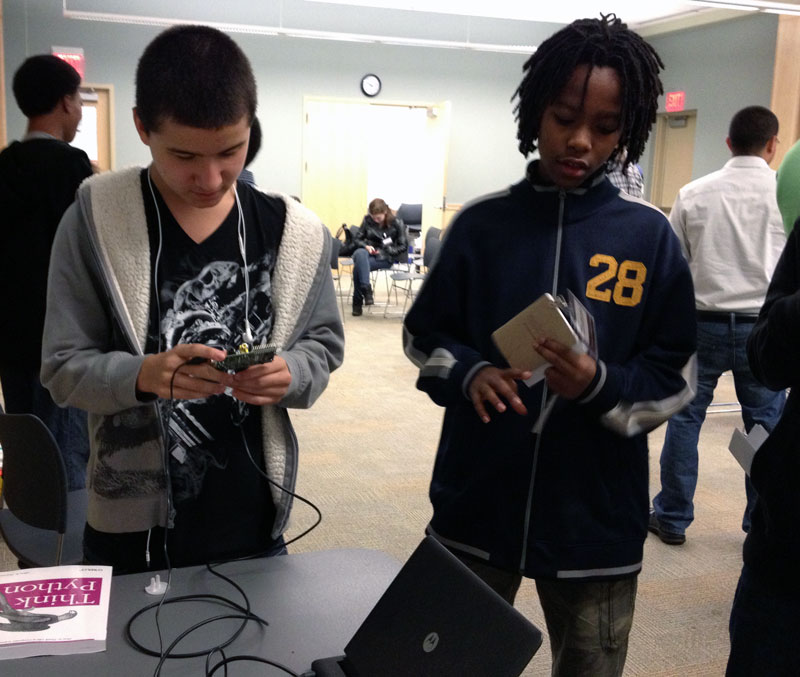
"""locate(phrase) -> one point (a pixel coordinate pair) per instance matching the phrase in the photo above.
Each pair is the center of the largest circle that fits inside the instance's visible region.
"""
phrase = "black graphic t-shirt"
(223, 507)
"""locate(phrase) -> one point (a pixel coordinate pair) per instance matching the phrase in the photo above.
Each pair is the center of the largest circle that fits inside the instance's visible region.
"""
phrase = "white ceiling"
(489, 25)
(633, 12)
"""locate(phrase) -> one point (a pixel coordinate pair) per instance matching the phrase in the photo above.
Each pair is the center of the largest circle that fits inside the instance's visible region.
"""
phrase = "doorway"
(673, 157)
(94, 135)
(354, 152)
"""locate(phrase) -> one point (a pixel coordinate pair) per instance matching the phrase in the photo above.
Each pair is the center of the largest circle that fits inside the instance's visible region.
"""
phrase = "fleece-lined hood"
(102, 259)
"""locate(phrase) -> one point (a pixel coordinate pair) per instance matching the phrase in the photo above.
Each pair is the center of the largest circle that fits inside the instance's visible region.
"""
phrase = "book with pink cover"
(54, 610)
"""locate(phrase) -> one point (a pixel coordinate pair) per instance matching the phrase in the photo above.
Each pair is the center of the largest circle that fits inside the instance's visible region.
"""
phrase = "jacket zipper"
(562, 197)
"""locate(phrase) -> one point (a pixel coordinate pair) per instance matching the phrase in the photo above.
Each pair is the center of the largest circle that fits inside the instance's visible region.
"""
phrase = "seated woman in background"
(380, 242)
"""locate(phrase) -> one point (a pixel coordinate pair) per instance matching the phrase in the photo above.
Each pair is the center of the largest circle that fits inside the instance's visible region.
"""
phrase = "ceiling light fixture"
(724, 5)
(752, 6)
(255, 29)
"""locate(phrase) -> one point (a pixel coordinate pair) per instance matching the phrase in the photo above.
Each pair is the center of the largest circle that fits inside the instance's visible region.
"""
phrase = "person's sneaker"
(369, 299)
(357, 310)
(668, 537)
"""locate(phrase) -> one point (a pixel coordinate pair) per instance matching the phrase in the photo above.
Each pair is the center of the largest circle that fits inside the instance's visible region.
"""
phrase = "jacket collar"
(596, 192)
(532, 176)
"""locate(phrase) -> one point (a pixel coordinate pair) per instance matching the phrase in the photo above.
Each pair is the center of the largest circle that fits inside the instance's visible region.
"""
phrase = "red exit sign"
(675, 101)
(73, 56)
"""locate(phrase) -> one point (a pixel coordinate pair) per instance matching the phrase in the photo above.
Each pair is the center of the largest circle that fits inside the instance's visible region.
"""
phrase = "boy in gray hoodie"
(158, 272)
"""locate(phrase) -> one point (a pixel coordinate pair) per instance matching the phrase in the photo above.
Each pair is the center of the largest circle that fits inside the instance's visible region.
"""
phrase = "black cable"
(161, 601)
(254, 659)
(167, 415)
(211, 655)
(245, 613)
(168, 653)
(161, 653)
(282, 488)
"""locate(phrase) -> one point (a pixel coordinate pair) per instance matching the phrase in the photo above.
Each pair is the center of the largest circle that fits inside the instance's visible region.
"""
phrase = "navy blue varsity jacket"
(571, 501)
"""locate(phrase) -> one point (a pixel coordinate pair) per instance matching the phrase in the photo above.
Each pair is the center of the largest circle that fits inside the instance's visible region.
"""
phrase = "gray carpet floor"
(367, 449)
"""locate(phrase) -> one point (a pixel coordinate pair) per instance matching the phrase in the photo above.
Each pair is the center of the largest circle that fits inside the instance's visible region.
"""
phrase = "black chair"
(411, 215)
(433, 232)
(406, 280)
(336, 264)
(43, 523)
(431, 252)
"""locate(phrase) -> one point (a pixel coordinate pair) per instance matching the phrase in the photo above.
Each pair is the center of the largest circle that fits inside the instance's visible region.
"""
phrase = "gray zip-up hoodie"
(98, 305)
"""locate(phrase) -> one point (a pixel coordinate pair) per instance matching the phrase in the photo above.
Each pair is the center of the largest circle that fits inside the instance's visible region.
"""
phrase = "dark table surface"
(313, 602)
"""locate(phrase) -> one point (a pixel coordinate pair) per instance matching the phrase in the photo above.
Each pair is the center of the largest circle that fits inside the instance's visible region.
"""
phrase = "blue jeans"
(24, 394)
(764, 630)
(721, 346)
(363, 264)
(588, 621)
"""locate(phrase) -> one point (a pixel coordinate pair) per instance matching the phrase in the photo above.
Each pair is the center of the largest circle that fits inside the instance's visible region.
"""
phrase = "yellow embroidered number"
(609, 273)
(625, 281)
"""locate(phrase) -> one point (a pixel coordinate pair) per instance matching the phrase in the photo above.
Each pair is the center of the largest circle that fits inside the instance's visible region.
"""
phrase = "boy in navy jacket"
(568, 505)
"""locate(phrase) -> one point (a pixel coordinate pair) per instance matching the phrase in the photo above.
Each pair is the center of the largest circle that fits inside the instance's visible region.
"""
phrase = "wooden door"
(437, 132)
(347, 145)
(673, 156)
(335, 161)
(95, 135)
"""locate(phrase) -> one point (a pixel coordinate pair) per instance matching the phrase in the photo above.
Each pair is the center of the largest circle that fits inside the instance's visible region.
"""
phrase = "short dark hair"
(751, 129)
(604, 42)
(41, 82)
(197, 76)
(254, 145)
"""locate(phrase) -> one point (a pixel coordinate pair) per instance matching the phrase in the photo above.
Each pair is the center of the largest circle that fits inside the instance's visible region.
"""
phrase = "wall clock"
(371, 84)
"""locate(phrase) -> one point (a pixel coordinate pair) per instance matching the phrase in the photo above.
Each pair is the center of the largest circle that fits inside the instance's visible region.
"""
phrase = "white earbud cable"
(248, 334)
(158, 257)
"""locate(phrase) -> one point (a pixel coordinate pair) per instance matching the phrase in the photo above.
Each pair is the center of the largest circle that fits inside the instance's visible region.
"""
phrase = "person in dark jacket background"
(561, 498)
(764, 627)
(381, 242)
(38, 179)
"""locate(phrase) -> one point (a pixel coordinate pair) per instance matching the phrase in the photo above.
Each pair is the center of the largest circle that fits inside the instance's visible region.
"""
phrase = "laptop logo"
(430, 642)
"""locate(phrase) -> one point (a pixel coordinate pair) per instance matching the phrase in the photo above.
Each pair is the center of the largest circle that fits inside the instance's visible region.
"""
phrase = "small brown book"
(544, 318)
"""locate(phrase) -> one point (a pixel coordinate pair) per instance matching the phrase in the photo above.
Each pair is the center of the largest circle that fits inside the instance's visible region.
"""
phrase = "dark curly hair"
(599, 43)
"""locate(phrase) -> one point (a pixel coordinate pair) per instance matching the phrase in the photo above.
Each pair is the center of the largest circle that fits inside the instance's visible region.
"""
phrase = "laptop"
(436, 618)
